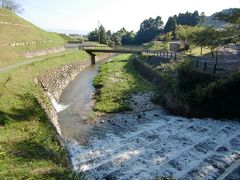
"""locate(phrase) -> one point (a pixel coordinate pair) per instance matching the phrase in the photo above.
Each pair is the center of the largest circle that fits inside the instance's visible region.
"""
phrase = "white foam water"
(148, 143)
(58, 107)
(154, 144)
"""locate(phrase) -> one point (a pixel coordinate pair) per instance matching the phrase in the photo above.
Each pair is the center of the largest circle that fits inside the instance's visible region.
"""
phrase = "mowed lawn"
(28, 145)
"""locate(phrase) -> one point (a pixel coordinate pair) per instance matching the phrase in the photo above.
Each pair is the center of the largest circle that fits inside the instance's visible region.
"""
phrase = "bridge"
(91, 50)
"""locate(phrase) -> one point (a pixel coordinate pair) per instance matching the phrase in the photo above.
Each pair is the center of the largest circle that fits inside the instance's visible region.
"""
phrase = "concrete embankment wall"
(54, 81)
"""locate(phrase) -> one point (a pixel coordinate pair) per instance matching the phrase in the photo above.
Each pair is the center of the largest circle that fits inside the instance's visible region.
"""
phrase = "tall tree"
(149, 29)
(102, 34)
(188, 19)
(171, 26)
(117, 37)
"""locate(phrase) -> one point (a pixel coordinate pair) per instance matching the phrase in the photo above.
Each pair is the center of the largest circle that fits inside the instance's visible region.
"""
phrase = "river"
(145, 143)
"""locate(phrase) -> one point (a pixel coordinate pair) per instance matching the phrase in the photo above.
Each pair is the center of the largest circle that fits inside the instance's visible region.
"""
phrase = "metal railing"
(164, 54)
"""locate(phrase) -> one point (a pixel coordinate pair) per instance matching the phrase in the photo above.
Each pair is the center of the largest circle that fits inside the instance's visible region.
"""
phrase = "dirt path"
(148, 143)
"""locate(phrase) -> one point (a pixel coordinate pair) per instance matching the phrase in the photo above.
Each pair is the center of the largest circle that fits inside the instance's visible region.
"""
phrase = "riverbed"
(145, 143)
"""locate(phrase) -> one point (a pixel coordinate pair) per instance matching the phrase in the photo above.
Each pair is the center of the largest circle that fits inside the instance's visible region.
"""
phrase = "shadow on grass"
(40, 145)
(28, 150)
(30, 108)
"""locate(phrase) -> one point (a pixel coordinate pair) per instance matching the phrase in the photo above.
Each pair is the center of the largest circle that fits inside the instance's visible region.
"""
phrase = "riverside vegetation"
(28, 144)
(116, 81)
(193, 93)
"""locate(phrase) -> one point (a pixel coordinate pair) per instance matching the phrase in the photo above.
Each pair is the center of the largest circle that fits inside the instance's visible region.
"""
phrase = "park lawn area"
(196, 51)
(28, 145)
(116, 82)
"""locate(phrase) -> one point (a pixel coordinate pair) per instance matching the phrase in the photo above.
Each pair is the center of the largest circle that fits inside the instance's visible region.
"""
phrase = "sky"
(82, 16)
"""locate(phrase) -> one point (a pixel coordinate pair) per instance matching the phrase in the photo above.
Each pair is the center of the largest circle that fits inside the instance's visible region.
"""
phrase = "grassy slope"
(28, 148)
(13, 34)
(117, 80)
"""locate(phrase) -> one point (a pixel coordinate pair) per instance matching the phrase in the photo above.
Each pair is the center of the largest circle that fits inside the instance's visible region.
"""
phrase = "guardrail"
(164, 54)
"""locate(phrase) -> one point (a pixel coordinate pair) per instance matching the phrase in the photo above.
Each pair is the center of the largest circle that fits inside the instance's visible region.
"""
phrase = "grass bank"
(28, 145)
(116, 81)
(15, 30)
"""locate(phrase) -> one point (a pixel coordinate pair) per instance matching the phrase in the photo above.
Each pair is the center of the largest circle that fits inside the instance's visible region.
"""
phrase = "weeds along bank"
(29, 147)
(116, 82)
(183, 90)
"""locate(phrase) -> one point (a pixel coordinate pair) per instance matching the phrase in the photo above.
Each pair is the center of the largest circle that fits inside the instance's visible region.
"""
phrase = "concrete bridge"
(126, 50)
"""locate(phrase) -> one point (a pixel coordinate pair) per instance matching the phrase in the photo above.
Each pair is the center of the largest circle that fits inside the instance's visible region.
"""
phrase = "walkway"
(228, 61)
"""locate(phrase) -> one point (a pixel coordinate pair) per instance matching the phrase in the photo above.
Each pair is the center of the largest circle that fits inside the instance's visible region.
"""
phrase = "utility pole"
(99, 40)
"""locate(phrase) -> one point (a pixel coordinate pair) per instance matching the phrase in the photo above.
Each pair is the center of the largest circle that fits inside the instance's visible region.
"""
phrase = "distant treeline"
(149, 30)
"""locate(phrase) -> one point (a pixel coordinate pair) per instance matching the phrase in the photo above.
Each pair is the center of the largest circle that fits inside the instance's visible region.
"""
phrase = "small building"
(174, 46)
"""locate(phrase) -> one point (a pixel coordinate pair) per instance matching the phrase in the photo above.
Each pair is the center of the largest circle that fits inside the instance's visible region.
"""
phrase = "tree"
(129, 38)
(102, 34)
(93, 35)
(214, 39)
(117, 37)
(171, 26)
(202, 18)
(12, 5)
(166, 38)
(232, 16)
(149, 29)
(98, 34)
(189, 34)
(184, 33)
(198, 36)
(188, 19)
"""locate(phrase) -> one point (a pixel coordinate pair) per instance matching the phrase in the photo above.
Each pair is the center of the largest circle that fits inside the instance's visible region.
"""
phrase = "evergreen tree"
(188, 19)
(149, 29)
(103, 36)
(171, 26)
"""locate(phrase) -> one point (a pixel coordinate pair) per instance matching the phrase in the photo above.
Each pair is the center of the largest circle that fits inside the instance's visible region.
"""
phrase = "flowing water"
(78, 97)
(145, 143)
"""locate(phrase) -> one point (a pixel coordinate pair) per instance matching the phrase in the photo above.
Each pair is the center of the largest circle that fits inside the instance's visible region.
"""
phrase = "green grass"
(196, 51)
(116, 81)
(157, 45)
(13, 34)
(28, 145)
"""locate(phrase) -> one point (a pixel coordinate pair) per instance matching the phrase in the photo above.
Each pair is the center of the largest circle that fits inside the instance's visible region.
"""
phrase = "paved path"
(148, 143)
(228, 61)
